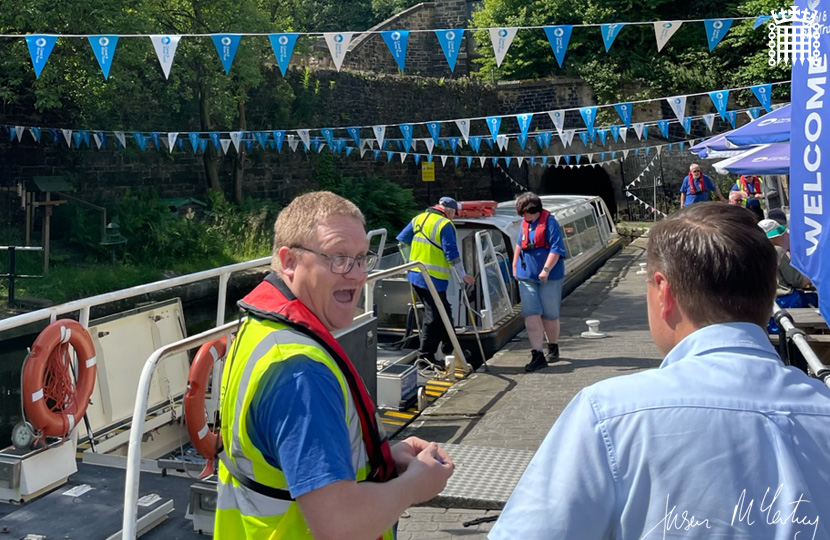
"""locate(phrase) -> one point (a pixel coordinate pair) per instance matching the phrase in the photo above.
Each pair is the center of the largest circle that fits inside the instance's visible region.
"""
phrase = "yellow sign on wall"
(428, 172)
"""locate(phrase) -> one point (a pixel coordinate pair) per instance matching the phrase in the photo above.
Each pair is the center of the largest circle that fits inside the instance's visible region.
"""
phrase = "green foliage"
(383, 9)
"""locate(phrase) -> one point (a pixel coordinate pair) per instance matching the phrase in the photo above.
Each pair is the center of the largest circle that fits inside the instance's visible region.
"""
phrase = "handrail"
(798, 337)
(143, 391)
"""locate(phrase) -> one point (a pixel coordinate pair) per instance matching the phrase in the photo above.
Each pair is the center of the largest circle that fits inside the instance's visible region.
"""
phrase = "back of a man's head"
(719, 265)
(296, 225)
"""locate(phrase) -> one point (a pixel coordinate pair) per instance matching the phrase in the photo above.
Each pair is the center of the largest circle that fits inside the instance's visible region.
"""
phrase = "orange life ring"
(202, 438)
(52, 402)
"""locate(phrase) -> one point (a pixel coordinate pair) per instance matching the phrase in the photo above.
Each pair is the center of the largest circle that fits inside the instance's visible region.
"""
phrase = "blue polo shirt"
(532, 261)
(700, 196)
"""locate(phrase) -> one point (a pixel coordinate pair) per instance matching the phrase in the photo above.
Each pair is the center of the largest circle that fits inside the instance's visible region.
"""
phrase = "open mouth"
(344, 296)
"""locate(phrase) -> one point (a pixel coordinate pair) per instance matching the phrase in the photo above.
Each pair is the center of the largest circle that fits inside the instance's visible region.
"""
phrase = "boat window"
(572, 245)
(589, 235)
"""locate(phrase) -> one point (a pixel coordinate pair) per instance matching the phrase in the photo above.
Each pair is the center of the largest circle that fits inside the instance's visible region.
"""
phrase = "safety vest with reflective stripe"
(240, 512)
(744, 185)
(426, 244)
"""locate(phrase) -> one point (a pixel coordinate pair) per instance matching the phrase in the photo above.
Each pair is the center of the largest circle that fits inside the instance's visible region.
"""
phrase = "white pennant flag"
(502, 141)
(444, 161)
(165, 47)
(590, 158)
(121, 138)
(171, 140)
(67, 135)
(678, 105)
(464, 128)
(564, 139)
(556, 160)
(625, 154)
(236, 138)
(664, 30)
(558, 119)
(97, 140)
(571, 166)
(521, 160)
(570, 134)
(638, 129)
(403, 156)
(430, 145)
(19, 130)
(623, 133)
(659, 150)
(338, 43)
(646, 170)
(303, 133)
(363, 150)
(380, 133)
(710, 120)
(482, 160)
(226, 143)
(502, 38)
(293, 143)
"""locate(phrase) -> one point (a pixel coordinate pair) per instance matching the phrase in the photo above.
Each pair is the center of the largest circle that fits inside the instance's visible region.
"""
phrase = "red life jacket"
(701, 184)
(540, 238)
(756, 184)
(273, 300)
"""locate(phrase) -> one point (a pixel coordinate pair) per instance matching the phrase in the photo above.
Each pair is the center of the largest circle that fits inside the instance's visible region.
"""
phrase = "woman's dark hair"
(718, 262)
(528, 202)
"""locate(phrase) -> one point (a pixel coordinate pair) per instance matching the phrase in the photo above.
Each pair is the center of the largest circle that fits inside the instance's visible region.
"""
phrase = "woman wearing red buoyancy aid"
(539, 267)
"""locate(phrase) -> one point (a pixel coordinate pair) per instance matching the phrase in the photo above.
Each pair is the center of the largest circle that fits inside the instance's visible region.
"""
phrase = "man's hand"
(469, 280)
(428, 472)
(406, 450)
(543, 276)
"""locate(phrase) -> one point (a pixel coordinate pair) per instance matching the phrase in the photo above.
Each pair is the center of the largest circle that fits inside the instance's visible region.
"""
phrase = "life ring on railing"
(52, 402)
(205, 441)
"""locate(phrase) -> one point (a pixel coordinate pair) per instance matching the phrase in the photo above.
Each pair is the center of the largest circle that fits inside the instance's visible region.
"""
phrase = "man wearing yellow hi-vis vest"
(433, 239)
(305, 455)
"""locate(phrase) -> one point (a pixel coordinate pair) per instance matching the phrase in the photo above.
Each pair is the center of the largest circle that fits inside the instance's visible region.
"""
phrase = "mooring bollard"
(593, 330)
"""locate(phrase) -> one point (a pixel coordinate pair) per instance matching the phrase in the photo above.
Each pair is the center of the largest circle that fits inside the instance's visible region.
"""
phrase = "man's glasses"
(342, 264)
(695, 171)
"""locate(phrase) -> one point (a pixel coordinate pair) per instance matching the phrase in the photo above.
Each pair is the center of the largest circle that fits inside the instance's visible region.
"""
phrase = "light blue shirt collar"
(734, 335)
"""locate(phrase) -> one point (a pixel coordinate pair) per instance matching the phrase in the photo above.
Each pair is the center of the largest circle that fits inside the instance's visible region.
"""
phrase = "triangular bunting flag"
(475, 143)
(716, 29)
(464, 128)
(380, 133)
(104, 49)
(328, 134)
(558, 37)
(761, 19)
(279, 136)
(194, 140)
(406, 131)
(354, 132)
(710, 120)
(558, 119)
(303, 133)
(226, 143)
(623, 134)
(338, 43)
(226, 45)
(731, 116)
(450, 41)
(444, 160)
(609, 33)
(171, 140)
(615, 132)
(40, 47)
(664, 30)
(638, 129)
(603, 135)
(283, 47)
(482, 160)
(584, 136)
(139, 138)
(678, 105)
(397, 41)
(203, 145)
(754, 112)
(589, 114)
(524, 122)
(624, 110)
(720, 98)
(664, 128)
(687, 124)
(121, 138)
(502, 38)
(430, 145)
(494, 123)
(764, 94)
(165, 47)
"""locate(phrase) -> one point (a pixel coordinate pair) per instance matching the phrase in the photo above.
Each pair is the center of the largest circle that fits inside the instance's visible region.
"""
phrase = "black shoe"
(552, 353)
(537, 361)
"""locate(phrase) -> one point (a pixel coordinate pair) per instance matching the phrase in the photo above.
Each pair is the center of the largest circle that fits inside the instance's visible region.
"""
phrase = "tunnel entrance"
(580, 181)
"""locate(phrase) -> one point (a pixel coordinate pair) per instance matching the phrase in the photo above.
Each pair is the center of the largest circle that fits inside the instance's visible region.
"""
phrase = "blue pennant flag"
(507, 160)
(544, 161)
(454, 144)
(194, 140)
(754, 112)
(731, 116)
(532, 161)
(671, 147)
(397, 41)
(584, 136)
(764, 94)
(716, 29)
(648, 150)
(155, 136)
(226, 45)
(349, 150)
(141, 140)
(355, 134)
(417, 158)
(56, 136)
(609, 34)
(339, 144)
(636, 151)
(203, 145)
(645, 132)
(314, 144)
(84, 134)
(614, 155)
(283, 45)
(262, 138)
(102, 137)
(12, 132)
(624, 110)
(442, 144)
(664, 128)
(375, 154)
(271, 144)
(328, 134)
(578, 158)
(522, 138)
(682, 144)
(249, 144)
(602, 156)
(720, 99)
(104, 49)
(475, 143)
(603, 135)
(216, 140)
(429, 158)
(761, 19)
(470, 161)
(450, 41)
(540, 143)
(489, 142)
(589, 114)
(40, 47)
(455, 159)
(406, 131)
(546, 136)
(399, 144)
(567, 159)
(558, 37)
(615, 132)
(524, 122)
(687, 124)
(180, 144)
(279, 136)
(494, 161)
(389, 155)
(434, 129)
(494, 123)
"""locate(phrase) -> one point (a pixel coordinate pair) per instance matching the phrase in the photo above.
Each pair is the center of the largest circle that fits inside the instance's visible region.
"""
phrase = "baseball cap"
(772, 228)
(778, 215)
(448, 202)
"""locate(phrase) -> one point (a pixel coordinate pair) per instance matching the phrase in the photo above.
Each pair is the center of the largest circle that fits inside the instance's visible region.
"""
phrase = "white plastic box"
(397, 384)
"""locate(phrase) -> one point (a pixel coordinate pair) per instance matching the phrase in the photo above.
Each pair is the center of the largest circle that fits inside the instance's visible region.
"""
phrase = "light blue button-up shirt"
(722, 441)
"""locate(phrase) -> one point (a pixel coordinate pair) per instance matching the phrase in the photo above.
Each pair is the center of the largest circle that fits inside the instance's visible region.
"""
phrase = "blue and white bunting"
(494, 123)
(389, 155)
(203, 145)
(720, 98)
(406, 131)
(35, 131)
(292, 142)
(615, 132)
(558, 37)
(121, 138)
(589, 115)
(338, 43)
(216, 139)
(546, 136)
(379, 133)
(502, 38)
(226, 144)
(664, 30)
(397, 41)
(155, 136)
(731, 116)
(754, 112)
(609, 34)
(716, 29)
(470, 162)
(194, 140)
(141, 140)
(624, 111)
(349, 150)
(678, 106)
(165, 47)
(475, 143)
(522, 138)
(226, 45)
(262, 138)
(283, 46)
(709, 119)
(375, 154)
(455, 160)
(464, 127)
(584, 136)
(40, 47)
(354, 132)
(430, 144)
(623, 133)
(664, 128)
(524, 123)
(104, 49)
(760, 19)
(454, 144)
(558, 119)
(687, 124)
(434, 129)
(764, 94)
(603, 135)
(638, 129)
(328, 134)
(279, 137)
(450, 41)
(171, 140)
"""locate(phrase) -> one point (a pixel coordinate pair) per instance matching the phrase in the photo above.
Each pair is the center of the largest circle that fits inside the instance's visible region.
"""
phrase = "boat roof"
(505, 218)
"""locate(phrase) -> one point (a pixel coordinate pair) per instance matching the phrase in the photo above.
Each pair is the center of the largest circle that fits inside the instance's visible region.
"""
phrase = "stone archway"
(579, 181)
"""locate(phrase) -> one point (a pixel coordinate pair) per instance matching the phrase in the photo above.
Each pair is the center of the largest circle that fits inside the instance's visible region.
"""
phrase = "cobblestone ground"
(507, 408)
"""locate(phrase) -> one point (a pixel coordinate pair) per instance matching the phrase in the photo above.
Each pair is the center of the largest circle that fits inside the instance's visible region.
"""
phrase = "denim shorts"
(541, 298)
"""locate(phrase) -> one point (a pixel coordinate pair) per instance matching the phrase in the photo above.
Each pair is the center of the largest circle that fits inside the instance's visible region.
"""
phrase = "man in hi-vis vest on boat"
(433, 239)
(305, 455)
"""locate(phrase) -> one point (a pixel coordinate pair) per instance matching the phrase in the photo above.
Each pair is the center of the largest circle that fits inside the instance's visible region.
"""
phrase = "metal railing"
(788, 331)
(131, 487)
